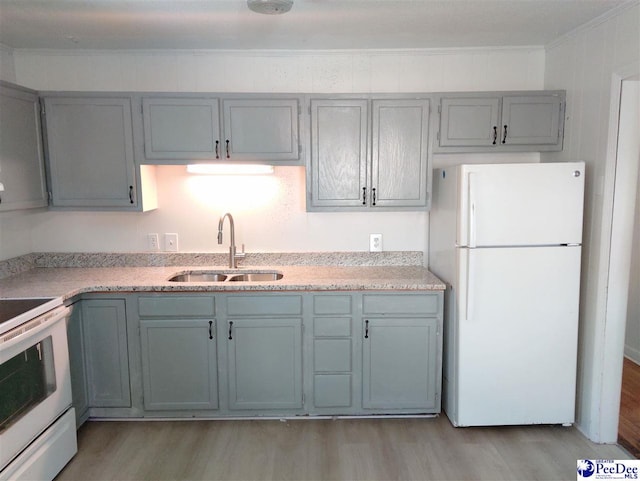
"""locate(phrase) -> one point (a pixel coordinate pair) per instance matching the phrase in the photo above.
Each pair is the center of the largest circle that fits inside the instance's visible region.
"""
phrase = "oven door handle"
(30, 329)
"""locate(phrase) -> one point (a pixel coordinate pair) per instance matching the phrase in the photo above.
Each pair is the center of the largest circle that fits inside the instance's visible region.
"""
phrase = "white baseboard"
(632, 354)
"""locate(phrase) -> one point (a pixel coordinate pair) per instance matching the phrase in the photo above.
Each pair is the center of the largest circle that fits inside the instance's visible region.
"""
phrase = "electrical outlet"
(375, 242)
(153, 242)
(171, 242)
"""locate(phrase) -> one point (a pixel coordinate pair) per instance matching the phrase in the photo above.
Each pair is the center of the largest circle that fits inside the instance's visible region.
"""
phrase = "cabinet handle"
(366, 329)
(373, 194)
(230, 330)
(218, 155)
(131, 194)
(495, 134)
(364, 196)
(504, 138)
(227, 142)
(210, 330)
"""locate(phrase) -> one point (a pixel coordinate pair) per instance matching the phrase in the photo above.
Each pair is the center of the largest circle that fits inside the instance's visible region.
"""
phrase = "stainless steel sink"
(217, 276)
(199, 276)
(256, 276)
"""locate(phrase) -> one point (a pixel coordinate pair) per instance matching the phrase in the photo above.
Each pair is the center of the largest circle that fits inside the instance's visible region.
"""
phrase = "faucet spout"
(233, 254)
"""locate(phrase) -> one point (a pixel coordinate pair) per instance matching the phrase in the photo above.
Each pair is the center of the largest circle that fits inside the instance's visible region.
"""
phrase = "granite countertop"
(71, 281)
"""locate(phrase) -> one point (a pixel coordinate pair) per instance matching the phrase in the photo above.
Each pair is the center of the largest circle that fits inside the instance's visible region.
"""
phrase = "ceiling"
(310, 25)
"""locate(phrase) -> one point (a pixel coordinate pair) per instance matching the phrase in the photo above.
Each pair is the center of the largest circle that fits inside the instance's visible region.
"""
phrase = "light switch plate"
(171, 242)
(153, 242)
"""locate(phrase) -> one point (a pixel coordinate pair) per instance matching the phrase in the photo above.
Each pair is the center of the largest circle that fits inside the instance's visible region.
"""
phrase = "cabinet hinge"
(438, 135)
(141, 109)
(303, 399)
(50, 196)
(299, 109)
(42, 111)
(309, 109)
(439, 109)
(299, 149)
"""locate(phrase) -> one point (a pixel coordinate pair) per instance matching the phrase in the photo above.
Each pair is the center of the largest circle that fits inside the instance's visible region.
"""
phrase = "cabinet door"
(338, 153)
(90, 152)
(179, 364)
(530, 120)
(399, 156)
(21, 159)
(265, 363)
(469, 121)
(104, 325)
(75, 339)
(181, 128)
(261, 129)
(399, 363)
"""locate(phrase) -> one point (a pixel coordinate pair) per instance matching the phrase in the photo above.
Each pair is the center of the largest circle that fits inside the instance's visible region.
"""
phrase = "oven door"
(35, 384)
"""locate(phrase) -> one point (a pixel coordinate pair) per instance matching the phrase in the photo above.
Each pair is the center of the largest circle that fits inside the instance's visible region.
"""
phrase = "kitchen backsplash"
(145, 259)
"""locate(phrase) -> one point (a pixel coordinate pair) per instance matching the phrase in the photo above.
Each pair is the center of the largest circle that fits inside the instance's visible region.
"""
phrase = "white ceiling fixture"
(270, 7)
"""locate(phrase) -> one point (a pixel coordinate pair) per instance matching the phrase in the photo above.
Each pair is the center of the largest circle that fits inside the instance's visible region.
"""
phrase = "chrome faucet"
(233, 255)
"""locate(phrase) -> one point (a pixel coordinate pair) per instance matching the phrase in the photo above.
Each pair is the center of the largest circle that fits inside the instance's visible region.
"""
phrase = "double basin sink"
(221, 276)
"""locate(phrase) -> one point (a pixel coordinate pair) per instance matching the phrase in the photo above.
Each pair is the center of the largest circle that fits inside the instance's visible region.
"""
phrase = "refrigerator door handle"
(469, 301)
(472, 209)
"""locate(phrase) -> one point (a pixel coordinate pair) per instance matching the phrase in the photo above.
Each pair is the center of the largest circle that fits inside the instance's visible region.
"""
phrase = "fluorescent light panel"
(230, 169)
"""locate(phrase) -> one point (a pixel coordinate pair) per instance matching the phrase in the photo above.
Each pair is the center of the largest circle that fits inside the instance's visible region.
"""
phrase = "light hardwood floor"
(629, 424)
(343, 449)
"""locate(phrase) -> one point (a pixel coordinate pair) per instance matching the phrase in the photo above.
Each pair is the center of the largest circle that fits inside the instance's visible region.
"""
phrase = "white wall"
(281, 224)
(7, 66)
(583, 64)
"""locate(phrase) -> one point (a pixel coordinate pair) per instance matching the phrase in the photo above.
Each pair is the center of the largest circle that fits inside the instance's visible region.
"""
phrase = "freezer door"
(520, 204)
(516, 336)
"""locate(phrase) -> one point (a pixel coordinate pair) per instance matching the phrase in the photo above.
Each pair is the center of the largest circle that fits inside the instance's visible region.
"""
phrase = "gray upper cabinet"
(339, 158)
(531, 120)
(469, 121)
(493, 122)
(90, 152)
(399, 156)
(261, 129)
(21, 158)
(181, 128)
(368, 154)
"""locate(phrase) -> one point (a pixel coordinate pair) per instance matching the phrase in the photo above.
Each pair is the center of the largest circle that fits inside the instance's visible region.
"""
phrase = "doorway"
(624, 161)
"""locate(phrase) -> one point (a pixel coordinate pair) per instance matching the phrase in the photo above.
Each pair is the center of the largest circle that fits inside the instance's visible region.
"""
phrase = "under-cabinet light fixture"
(230, 169)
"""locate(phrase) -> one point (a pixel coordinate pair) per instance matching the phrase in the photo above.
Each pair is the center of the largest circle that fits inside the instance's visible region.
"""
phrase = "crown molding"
(593, 23)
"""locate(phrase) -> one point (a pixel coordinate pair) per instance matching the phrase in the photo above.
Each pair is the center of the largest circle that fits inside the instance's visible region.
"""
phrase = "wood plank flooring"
(343, 449)
(629, 424)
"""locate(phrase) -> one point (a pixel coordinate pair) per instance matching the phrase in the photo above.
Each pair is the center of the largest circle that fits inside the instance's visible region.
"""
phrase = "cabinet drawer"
(332, 390)
(177, 306)
(327, 305)
(264, 305)
(332, 355)
(400, 304)
(332, 326)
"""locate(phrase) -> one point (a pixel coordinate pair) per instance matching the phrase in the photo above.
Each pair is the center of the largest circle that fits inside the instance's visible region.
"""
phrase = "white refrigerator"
(506, 238)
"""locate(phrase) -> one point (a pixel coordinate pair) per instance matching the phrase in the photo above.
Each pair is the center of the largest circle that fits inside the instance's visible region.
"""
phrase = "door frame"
(616, 247)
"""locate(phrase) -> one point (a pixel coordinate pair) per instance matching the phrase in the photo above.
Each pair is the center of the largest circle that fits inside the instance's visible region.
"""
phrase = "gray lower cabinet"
(264, 351)
(265, 363)
(333, 353)
(21, 157)
(77, 363)
(399, 363)
(401, 351)
(494, 122)
(179, 363)
(368, 154)
(98, 356)
(104, 330)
